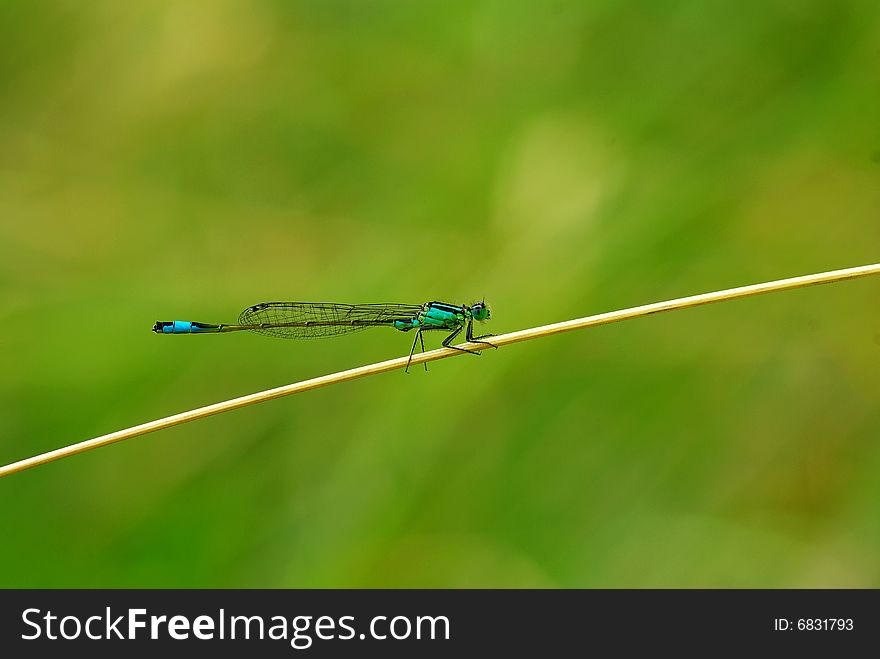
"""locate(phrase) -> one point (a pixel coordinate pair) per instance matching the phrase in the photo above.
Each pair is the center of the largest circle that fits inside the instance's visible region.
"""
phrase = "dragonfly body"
(306, 320)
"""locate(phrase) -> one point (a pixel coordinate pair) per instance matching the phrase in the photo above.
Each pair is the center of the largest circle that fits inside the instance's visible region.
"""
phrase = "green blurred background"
(164, 160)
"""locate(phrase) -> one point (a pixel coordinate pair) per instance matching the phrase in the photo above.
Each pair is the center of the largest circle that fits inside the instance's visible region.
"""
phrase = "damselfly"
(311, 320)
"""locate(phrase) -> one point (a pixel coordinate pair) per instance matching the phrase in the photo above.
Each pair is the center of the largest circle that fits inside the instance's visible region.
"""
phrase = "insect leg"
(422, 339)
(448, 340)
(469, 335)
(413, 349)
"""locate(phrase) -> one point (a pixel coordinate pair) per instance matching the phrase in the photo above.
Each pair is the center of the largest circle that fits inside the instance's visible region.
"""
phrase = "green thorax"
(442, 315)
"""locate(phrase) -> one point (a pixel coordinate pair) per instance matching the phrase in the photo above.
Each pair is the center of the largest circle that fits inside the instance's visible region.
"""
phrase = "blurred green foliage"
(165, 160)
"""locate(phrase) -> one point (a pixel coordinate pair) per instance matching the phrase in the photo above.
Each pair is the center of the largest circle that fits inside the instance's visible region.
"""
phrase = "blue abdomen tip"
(178, 327)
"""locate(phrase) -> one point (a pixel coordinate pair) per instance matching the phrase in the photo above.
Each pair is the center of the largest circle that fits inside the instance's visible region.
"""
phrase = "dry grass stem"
(442, 353)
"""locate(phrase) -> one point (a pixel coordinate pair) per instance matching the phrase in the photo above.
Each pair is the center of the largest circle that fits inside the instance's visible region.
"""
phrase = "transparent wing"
(309, 320)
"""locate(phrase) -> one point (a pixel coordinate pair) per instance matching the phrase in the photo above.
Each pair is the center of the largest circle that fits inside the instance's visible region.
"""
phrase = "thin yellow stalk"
(442, 353)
